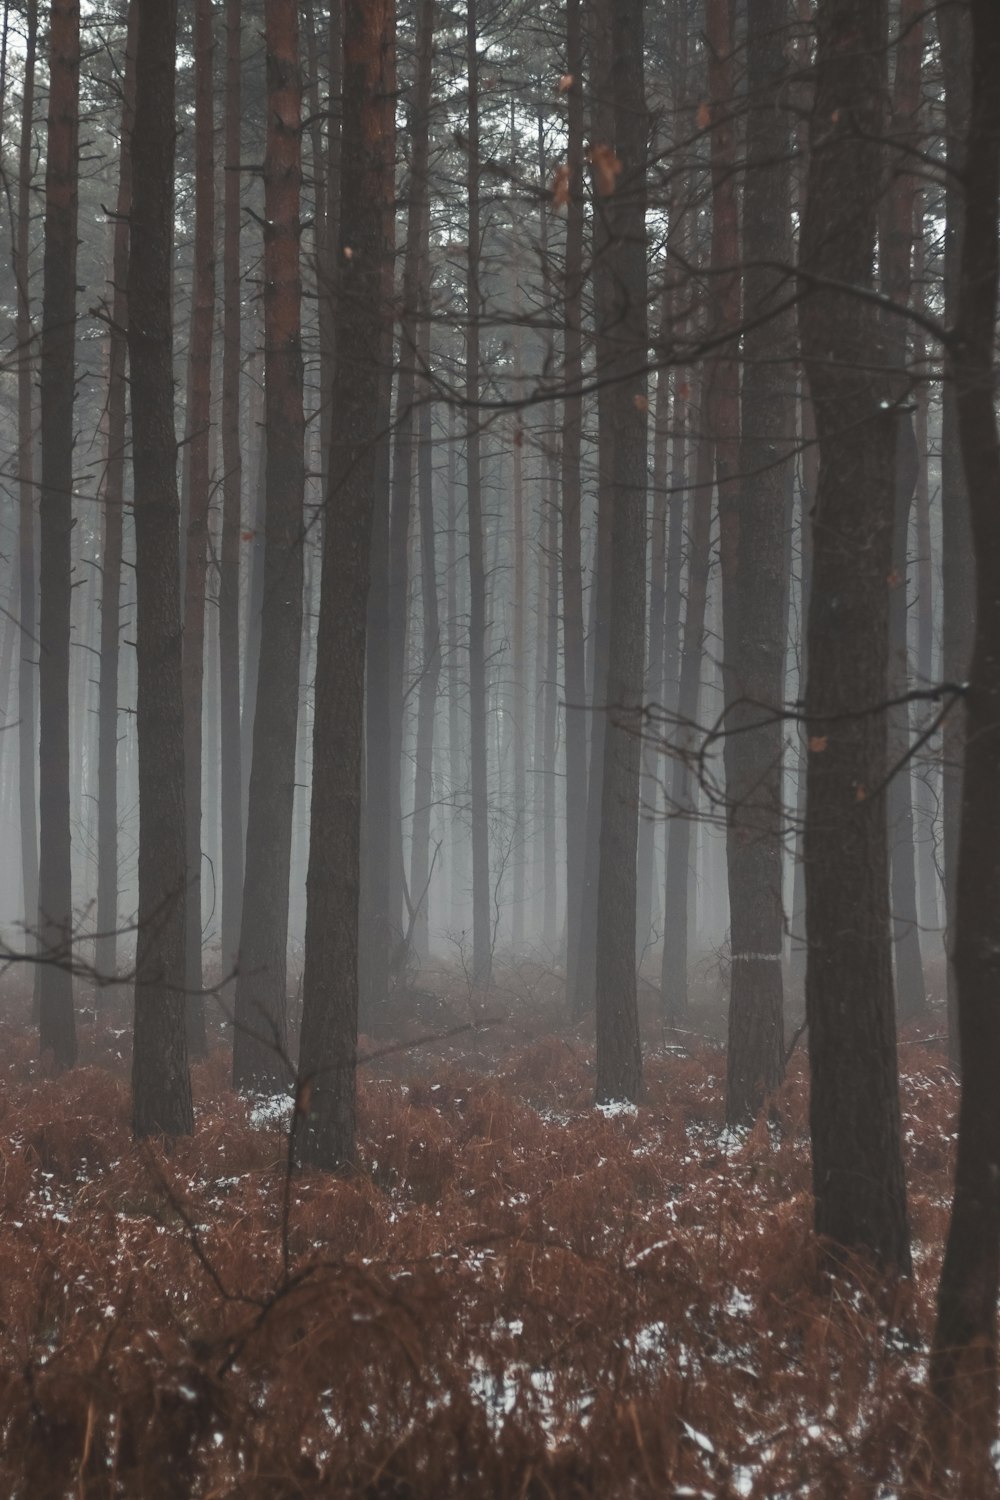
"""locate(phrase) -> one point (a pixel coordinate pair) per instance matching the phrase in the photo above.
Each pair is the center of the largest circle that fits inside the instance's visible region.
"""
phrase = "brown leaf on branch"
(607, 168)
(818, 743)
(703, 118)
(560, 186)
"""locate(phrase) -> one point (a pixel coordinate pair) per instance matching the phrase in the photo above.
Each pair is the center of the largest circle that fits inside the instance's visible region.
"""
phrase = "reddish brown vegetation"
(516, 1296)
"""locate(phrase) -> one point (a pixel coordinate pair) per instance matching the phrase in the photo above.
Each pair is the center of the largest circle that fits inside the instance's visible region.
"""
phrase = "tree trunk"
(161, 1085)
(327, 1057)
(259, 1044)
(619, 1057)
(105, 957)
(964, 1357)
(574, 663)
(231, 798)
(482, 936)
(858, 1185)
(28, 642)
(58, 377)
(753, 506)
(423, 788)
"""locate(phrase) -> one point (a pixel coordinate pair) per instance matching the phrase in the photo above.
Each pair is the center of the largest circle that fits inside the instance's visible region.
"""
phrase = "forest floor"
(518, 1294)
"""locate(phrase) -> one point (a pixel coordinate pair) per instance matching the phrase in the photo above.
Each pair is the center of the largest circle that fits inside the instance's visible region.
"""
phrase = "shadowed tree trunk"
(964, 1358)
(858, 1185)
(197, 458)
(619, 1057)
(161, 1085)
(753, 511)
(28, 642)
(105, 956)
(328, 1050)
(231, 791)
(423, 787)
(574, 663)
(259, 1044)
(58, 379)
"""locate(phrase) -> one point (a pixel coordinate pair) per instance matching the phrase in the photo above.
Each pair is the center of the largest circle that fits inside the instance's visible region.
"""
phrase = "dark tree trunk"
(482, 936)
(964, 1357)
(423, 793)
(860, 1195)
(231, 798)
(58, 376)
(574, 663)
(197, 457)
(28, 643)
(327, 1057)
(619, 1057)
(111, 556)
(753, 510)
(161, 1085)
(259, 1044)
(958, 592)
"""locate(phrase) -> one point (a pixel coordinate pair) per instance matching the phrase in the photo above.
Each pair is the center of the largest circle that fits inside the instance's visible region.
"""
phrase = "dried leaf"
(607, 168)
(565, 83)
(859, 793)
(248, 536)
(641, 403)
(683, 391)
(818, 743)
(894, 579)
(560, 186)
(703, 118)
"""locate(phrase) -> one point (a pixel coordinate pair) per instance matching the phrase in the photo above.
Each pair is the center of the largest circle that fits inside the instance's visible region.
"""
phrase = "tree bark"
(753, 511)
(231, 791)
(259, 1050)
(964, 1357)
(58, 377)
(327, 1058)
(858, 1185)
(161, 1085)
(619, 1056)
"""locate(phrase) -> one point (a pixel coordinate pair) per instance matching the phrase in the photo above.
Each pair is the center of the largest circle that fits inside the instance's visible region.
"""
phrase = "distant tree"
(858, 1185)
(58, 386)
(161, 1085)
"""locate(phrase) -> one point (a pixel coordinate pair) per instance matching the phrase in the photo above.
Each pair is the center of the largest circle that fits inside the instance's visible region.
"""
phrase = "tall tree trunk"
(198, 486)
(328, 1051)
(423, 787)
(111, 553)
(161, 1085)
(895, 252)
(259, 1044)
(753, 511)
(964, 1356)
(619, 1058)
(231, 798)
(482, 938)
(27, 667)
(58, 377)
(958, 592)
(574, 662)
(457, 763)
(858, 1185)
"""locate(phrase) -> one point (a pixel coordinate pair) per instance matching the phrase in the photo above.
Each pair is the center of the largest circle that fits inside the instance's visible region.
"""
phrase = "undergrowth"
(516, 1296)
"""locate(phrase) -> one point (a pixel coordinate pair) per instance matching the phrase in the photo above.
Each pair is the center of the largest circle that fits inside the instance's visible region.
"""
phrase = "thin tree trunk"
(327, 1058)
(574, 662)
(259, 1043)
(858, 1184)
(423, 787)
(28, 643)
(619, 1057)
(753, 512)
(482, 938)
(58, 377)
(231, 794)
(105, 956)
(161, 1085)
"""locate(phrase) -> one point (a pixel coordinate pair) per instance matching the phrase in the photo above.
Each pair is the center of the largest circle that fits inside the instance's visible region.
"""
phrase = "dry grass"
(515, 1297)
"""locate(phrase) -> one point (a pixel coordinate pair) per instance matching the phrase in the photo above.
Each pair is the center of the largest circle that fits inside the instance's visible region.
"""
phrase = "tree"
(161, 1086)
(964, 1358)
(622, 311)
(858, 1186)
(259, 1042)
(58, 384)
(328, 1048)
